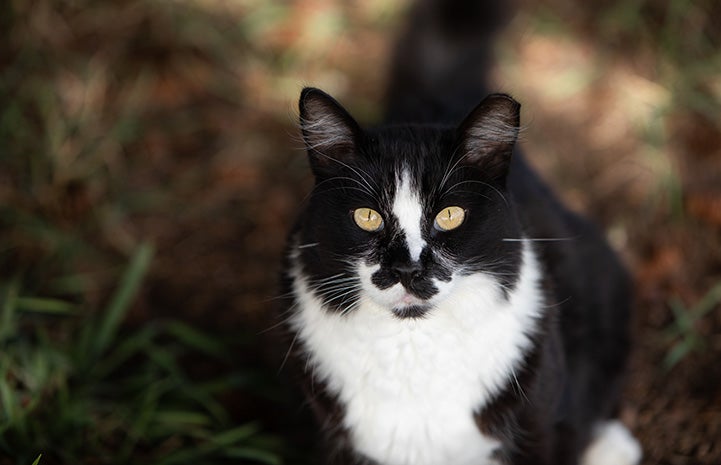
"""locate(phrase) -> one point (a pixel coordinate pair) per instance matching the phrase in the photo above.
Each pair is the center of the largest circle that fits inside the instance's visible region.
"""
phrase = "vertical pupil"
(369, 214)
(449, 213)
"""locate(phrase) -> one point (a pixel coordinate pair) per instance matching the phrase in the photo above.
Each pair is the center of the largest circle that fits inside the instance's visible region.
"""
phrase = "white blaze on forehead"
(407, 209)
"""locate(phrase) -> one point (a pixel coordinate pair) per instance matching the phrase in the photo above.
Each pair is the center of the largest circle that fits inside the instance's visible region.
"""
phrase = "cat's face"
(399, 214)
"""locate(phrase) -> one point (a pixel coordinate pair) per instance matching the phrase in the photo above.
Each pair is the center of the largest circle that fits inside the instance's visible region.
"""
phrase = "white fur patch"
(409, 212)
(612, 444)
(410, 386)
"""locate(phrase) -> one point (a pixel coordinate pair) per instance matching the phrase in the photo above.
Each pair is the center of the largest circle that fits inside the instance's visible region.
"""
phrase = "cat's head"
(400, 214)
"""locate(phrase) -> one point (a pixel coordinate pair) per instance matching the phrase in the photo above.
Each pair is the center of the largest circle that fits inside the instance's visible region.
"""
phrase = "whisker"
(278, 324)
(345, 282)
(278, 297)
(341, 283)
(475, 181)
(341, 296)
(343, 188)
(287, 354)
(364, 187)
(449, 169)
(358, 171)
(557, 304)
(518, 385)
(539, 239)
(334, 294)
(327, 278)
(350, 308)
(476, 193)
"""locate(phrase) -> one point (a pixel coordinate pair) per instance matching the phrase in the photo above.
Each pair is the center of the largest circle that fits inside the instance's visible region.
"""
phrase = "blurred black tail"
(441, 63)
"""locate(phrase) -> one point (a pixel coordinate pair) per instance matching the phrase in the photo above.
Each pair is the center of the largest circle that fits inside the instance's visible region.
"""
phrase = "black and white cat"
(444, 308)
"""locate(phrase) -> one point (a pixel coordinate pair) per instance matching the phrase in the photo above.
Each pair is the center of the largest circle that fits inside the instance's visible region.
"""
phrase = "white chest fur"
(410, 387)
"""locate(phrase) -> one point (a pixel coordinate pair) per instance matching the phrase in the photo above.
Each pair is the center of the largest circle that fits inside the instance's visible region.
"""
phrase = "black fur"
(356, 168)
(572, 375)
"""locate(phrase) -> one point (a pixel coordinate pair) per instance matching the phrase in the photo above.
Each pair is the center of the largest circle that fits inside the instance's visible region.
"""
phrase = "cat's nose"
(406, 272)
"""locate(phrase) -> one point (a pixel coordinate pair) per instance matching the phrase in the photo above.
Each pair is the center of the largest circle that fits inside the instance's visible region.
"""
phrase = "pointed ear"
(329, 131)
(488, 134)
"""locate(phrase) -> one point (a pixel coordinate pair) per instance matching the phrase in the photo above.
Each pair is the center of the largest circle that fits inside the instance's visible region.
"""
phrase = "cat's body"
(444, 307)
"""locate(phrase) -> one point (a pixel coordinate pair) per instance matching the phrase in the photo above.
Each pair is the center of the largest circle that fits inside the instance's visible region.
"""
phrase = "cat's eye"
(450, 218)
(368, 219)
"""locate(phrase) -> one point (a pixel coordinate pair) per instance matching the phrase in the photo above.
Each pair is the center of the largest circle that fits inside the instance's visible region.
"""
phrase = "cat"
(443, 306)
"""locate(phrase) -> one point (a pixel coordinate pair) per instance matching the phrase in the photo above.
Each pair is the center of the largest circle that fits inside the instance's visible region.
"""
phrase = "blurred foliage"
(102, 102)
(87, 85)
(94, 395)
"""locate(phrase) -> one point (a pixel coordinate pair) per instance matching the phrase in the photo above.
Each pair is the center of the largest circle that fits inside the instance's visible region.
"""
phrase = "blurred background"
(150, 167)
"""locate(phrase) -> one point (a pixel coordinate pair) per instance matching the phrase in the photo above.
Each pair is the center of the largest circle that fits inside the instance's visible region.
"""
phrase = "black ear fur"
(489, 132)
(330, 133)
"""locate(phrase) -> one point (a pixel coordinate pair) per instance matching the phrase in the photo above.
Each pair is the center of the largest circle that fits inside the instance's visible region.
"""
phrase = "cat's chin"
(411, 311)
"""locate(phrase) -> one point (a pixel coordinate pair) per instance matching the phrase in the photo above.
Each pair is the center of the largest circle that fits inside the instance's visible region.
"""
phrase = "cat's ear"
(488, 134)
(330, 133)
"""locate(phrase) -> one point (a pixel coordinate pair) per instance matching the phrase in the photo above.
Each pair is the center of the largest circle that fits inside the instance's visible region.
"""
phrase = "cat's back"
(588, 284)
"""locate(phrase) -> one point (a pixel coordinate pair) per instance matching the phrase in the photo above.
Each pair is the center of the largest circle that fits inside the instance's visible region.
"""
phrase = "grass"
(114, 396)
(89, 111)
(684, 331)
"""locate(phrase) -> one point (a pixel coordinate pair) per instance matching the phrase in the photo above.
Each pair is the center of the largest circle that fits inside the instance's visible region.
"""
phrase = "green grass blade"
(120, 302)
(182, 456)
(691, 342)
(256, 455)
(8, 303)
(195, 339)
(234, 435)
(708, 302)
(219, 443)
(134, 344)
(683, 321)
(43, 305)
(207, 401)
(677, 353)
(37, 460)
(144, 415)
(8, 402)
(181, 417)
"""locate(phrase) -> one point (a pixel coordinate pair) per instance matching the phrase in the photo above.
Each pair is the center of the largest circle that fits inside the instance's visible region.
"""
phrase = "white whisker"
(518, 385)
(538, 239)
(287, 354)
(450, 169)
(362, 174)
(474, 181)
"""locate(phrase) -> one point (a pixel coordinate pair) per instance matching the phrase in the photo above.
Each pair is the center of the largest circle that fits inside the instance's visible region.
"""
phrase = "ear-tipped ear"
(329, 131)
(489, 132)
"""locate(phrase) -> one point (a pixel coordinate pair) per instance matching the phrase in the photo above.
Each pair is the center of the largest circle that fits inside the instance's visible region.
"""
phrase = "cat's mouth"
(410, 306)
(411, 311)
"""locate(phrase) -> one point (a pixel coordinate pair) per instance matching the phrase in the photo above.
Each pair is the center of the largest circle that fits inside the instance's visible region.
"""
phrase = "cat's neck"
(432, 372)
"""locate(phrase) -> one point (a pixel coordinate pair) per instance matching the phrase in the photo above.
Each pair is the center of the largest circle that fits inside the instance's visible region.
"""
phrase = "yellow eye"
(450, 218)
(368, 219)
